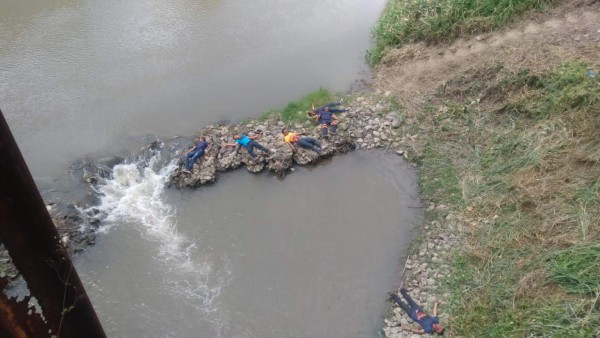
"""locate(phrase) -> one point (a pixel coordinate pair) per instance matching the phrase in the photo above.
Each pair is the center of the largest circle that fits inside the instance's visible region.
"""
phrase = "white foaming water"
(135, 196)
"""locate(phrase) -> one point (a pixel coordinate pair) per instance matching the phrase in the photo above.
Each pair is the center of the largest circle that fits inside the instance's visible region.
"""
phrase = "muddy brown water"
(252, 256)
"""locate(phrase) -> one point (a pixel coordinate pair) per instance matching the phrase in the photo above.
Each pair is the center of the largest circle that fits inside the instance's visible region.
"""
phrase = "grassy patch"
(517, 158)
(442, 20)
(577, 269)
(296, 110)
(438, 179)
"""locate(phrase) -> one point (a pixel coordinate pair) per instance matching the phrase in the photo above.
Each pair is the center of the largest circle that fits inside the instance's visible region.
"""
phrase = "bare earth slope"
(571, 31)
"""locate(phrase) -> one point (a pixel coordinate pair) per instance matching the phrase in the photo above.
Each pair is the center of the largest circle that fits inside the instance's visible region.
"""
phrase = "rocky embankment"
(76, 223)
(426, 266)
(366, 124)
(76, 230)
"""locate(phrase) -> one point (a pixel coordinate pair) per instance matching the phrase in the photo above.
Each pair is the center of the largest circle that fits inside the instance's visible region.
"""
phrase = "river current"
(252, 256)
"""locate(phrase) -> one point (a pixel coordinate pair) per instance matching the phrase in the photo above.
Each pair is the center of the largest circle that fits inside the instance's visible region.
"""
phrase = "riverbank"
(506, 142)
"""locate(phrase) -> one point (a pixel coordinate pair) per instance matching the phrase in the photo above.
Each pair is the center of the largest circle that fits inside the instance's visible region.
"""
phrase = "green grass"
(577, 269)
(296, 110)
(438, 178)
(406, 21)
(520, 170)
(567, 88)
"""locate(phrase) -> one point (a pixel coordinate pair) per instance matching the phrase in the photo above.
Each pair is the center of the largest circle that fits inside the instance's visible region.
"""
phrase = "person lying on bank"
(249, 143)
(429, 324)
(292, 139)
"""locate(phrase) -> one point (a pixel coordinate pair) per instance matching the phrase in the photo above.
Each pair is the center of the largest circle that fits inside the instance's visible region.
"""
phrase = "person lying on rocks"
(428, 323)
(314, 113)
(327, 120)
(291, 138)
(249, 143)
(192, 155)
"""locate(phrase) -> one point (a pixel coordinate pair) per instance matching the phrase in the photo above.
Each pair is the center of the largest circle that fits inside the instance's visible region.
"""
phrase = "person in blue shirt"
(249, 143)
(192, 155)
(429, 324)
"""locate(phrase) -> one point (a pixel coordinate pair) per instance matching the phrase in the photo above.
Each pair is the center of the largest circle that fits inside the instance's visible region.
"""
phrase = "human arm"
(333, 116)
(335, 110)
(331, 104)
(189, 150)
(418, 331)
(291, 147)
(435, 307)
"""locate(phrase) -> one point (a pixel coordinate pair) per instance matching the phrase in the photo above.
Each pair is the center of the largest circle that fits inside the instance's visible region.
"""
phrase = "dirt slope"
(570, 31)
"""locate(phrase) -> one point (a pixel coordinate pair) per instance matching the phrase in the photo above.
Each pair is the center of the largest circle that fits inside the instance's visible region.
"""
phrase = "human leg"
(400, 303)
(188, 160)
(313, 141)
(334, 127)
(410, 301)
(191, 160)
(250, 149)
(324, 129)
(259, 146)
(308, 143)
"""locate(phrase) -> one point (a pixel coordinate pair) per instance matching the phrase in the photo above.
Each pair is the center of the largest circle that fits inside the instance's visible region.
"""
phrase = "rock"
(343, 126)
(255, 167)
(375, 121)
(396, 123)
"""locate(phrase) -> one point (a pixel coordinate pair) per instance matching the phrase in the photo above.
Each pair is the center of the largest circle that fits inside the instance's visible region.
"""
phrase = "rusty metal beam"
(33, 243)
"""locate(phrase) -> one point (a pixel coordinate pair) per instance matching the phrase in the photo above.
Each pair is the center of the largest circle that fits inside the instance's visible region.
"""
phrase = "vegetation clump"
(406, 21)
(296, 110)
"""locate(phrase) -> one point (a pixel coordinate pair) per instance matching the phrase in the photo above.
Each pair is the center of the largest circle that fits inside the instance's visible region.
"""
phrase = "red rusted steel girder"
(33, 243)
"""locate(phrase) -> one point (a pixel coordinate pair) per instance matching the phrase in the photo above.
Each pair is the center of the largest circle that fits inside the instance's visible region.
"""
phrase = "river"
(252, 256)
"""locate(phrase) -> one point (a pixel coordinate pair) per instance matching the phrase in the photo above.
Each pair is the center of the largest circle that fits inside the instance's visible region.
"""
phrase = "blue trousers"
(253, 144)
(310, 143)
(191, 158)
(410, 308)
